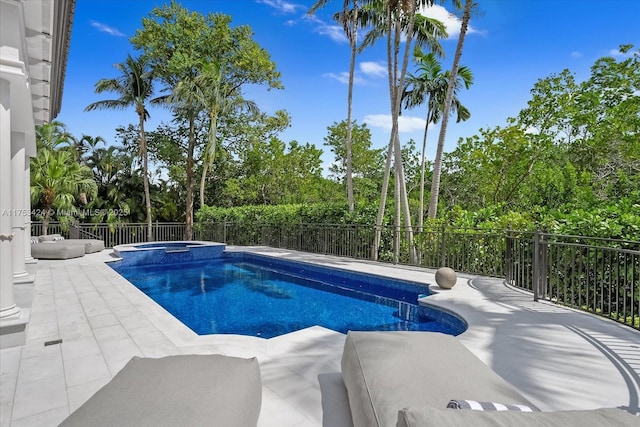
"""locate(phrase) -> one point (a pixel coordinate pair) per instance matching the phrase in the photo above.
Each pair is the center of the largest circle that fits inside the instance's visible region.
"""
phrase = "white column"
(28, 259)
(7, 302)
(18, 213)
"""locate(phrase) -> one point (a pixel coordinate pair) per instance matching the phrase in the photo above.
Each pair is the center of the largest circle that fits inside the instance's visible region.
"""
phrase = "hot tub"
(167, 252)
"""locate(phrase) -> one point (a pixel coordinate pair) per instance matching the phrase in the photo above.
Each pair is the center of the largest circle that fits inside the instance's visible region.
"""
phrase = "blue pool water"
(252, 295)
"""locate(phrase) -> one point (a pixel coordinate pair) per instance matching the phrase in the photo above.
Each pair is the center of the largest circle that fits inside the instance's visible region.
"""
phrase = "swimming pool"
(248, 294)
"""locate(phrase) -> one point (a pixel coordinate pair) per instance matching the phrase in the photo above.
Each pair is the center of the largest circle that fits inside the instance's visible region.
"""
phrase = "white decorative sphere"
(446, 277)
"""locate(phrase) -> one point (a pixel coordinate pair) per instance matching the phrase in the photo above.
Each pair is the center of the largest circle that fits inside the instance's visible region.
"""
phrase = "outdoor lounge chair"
(185, 390)
(54, 250)
(90, 245)
(407, 379)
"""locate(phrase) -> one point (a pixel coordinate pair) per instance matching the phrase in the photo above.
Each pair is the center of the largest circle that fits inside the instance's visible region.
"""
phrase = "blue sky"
(511, 45)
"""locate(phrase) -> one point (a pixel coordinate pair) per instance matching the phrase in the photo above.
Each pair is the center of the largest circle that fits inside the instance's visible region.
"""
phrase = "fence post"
(537, 263)
(224, 231)
(508, 257)
(443, 246)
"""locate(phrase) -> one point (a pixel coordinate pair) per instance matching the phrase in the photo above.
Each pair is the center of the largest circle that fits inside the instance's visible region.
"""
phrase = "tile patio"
(557, 357)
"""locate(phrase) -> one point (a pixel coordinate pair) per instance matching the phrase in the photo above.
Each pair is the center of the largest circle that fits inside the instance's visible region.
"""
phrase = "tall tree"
(437, 165)
(178, 43)
(430, 86)
(350, 21)
(367, 163)
(396, 19)
(135, 87)
(219, 97)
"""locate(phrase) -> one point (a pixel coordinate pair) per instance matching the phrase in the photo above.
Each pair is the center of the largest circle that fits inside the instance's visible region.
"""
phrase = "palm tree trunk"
(45, 220)
(422, 167)
(396, 104)
(210, 153)
(145, 171)
(383, 202)
(437, 166)
(396, 211)
(353, 39)
(203, 180)
(189, 197)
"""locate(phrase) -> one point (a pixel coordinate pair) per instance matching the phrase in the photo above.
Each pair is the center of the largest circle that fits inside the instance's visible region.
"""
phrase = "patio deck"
(557, 357)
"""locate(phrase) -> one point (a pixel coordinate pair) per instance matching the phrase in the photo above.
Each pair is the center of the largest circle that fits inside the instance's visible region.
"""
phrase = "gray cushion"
(56, 250)
(90, 245)
(426, 416)
(188, 390)
(387, 371)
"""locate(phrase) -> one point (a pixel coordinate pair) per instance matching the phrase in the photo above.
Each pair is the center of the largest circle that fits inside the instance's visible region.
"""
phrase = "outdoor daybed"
(55, 250)
(407, 379)
(54, 246)
(186, 390)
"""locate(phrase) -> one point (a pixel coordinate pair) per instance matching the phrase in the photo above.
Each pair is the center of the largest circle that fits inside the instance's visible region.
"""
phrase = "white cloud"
(343, 77)
(405, 123)
(334, 32)
(374, 69)
(107, 29)
(616, 52)
(450, 21)
(282, 6)
(576, 55)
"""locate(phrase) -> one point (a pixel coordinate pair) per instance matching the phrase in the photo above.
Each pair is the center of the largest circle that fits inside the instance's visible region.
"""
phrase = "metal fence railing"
(601, 276)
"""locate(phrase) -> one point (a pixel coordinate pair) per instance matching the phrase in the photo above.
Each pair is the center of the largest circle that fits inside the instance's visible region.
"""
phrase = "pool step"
(176, 250)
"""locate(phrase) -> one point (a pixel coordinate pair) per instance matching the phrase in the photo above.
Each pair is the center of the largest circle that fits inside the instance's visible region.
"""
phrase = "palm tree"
(217, 97)
(395, 19)
(437, 166)
(135, 87)
(430, 86)
(349, 20)
(87, 145)
(57, 180)
(53, 135)
(110, 167)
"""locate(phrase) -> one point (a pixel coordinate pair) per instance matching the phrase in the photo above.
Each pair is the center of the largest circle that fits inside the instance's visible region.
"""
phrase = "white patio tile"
(41, 367)
(110, 333)
(10, 360)
(75, 332)
(40, 396)
(44, 419)
(83, 347)
(80, 393)
(276, 412)
(103, 320)
(85, 369)
(8, 383)
(37, 349)
(5, 414)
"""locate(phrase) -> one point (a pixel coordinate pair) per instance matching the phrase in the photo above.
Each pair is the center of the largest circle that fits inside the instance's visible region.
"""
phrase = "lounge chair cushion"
(55, 250)
(387, 371)
(427, 416)
(90, 245)
(186, 390)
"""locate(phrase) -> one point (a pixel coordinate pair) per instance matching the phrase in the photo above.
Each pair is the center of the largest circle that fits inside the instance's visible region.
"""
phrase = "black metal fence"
(601, 276)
